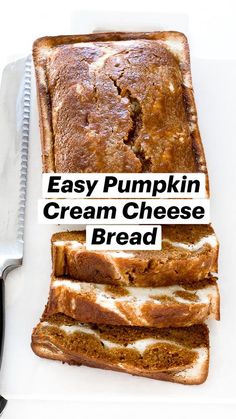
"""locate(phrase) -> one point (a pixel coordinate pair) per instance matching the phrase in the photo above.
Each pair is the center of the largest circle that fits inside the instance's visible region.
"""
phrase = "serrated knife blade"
(15, 97)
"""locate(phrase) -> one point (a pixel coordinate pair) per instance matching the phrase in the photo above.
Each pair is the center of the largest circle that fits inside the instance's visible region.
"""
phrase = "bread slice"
(179, 355)
(175, 305)
(189, 254)
(134, 88)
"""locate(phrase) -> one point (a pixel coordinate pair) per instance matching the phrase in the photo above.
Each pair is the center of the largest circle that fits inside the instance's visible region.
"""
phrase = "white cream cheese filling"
(140, 344)
(137, 295)
(100, 62)
(211, 240)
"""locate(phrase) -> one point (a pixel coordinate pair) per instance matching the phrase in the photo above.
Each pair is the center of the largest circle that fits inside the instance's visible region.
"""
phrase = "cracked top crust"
(117, 103)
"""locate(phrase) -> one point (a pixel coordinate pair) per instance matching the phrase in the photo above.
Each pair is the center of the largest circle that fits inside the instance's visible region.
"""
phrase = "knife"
(14, 140)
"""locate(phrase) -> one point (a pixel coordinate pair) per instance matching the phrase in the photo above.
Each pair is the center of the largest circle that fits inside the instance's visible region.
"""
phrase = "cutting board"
(23, 375)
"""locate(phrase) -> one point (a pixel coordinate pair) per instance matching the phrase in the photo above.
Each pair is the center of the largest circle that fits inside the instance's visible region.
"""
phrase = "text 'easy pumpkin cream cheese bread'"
(179, 355)
(189, 254)
(117, 102)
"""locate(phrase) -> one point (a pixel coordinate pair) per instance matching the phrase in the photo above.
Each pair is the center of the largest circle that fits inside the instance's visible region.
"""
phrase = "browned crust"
(166, 314)
(45, 349)
(44, 97)
(147, 269)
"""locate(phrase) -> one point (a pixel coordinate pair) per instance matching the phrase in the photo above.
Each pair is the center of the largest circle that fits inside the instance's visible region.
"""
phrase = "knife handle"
(3, 401)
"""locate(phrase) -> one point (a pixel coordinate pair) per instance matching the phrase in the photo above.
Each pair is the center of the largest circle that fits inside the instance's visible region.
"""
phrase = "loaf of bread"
(175, 306)
(123, 102)
(189, 254)
(117, 102)
(179, 355)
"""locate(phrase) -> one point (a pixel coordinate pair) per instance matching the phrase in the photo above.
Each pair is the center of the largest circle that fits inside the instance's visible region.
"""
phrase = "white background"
(212, 36)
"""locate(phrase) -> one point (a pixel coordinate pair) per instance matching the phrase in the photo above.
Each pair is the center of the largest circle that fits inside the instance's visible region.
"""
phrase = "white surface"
(211, 22)
(61, 410)
(24, 375)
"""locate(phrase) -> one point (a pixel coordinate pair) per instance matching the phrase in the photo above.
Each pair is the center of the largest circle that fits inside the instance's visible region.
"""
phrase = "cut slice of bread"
(189, 254)
(175, 305)
(179, 355)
